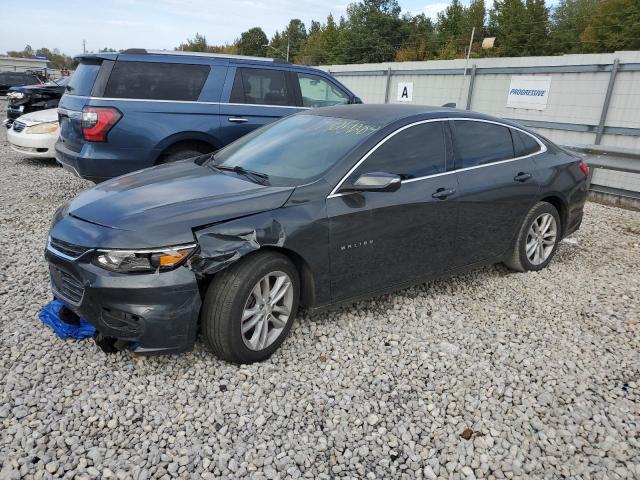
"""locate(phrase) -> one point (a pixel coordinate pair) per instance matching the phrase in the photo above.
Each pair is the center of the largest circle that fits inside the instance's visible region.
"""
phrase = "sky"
(158, 24)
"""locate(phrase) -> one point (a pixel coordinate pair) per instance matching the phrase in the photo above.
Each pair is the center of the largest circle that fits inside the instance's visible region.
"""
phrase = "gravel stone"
(543, 368)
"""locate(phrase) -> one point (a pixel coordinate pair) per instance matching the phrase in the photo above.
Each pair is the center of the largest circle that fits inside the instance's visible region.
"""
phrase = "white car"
(35, 134)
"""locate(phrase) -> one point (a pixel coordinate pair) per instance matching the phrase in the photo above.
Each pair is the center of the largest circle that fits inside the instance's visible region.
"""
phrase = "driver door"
(379, 239)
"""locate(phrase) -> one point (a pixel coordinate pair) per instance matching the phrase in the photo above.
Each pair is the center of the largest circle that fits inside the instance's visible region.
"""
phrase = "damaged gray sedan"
(317, 209)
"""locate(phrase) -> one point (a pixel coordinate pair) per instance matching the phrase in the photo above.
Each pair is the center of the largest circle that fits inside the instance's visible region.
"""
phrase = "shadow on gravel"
(39, 162)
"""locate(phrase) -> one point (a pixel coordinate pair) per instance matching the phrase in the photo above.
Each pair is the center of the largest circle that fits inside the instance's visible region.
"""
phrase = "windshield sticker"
(352, 127)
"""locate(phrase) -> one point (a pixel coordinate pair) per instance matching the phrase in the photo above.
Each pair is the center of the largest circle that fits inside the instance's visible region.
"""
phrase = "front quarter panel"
(299, 230)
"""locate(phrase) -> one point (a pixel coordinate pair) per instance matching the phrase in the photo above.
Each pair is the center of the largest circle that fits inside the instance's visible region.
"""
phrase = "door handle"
(522, 177)
(238, 119)
(443, 193)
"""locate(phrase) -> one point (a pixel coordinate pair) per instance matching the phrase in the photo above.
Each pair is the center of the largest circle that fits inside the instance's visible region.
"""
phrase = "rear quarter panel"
(560, 176)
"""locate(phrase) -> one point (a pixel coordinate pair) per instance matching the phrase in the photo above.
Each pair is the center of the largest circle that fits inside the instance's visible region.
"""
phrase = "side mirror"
(356, 100)
(375, 182)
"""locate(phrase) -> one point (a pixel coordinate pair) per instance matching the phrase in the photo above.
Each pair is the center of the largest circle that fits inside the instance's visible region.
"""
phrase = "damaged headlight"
(15, 95)
(148, 260)
(48, 127)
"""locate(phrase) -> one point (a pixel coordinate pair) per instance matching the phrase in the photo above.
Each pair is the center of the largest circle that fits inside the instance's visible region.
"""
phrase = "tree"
(569, 20)
(614, 26)
(537, 28)
(195, 44)
(253, 42)
(321, 46)
(56, 59)
(292, 38)
(475, 18)
(373, 31)
(508, 23)
(420, 42)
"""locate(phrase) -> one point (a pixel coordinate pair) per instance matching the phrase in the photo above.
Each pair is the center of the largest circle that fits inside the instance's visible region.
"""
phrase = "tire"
(182, 153)
(519, 260)
(232, 292)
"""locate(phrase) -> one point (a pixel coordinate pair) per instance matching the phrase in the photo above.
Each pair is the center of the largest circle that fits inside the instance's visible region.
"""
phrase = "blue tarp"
(50, 315)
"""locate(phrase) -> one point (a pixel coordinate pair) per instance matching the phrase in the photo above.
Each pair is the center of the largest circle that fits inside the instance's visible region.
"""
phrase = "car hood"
(39, 88)
(164, 204)
(41, 116)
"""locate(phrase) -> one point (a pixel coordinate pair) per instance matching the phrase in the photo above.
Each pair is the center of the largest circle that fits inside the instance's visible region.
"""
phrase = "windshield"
(295, 149)
(60, 82)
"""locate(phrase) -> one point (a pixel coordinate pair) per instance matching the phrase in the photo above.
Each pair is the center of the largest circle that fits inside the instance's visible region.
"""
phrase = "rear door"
(256, 96)
(498, 183)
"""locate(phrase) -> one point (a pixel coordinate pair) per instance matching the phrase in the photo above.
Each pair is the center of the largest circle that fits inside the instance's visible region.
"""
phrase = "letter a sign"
(405, 92)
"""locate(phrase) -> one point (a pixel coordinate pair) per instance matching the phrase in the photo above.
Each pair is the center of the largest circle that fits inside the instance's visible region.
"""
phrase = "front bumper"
(157, 312)
(34, 145)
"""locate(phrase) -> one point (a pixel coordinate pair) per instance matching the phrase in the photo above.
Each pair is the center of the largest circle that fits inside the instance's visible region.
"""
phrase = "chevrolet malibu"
(321, 208)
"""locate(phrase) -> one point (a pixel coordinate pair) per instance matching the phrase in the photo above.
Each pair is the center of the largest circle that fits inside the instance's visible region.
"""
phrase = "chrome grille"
(65, 285)
(18, 126)
(67, 249)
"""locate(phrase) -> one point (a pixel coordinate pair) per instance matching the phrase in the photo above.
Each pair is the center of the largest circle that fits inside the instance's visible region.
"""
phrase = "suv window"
(478, 143)
(156, 81)
(415, 152)
(318, 92)
(81, 82)
(524, 144)
(261, 86)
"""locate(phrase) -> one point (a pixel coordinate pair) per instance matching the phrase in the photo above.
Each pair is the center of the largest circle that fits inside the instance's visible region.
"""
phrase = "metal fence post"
(472, 80)
(386, 90)
(607, 100)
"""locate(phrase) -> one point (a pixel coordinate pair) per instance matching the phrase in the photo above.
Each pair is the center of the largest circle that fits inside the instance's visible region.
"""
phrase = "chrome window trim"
(112, 99)
(543, 149)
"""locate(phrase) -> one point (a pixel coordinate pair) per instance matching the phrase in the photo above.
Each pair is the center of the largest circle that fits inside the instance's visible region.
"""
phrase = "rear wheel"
(249, 308)
(183, 152)
(537, 239)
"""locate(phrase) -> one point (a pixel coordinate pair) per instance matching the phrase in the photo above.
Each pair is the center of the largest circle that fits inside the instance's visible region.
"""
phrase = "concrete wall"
(575, 98)
(13, 64)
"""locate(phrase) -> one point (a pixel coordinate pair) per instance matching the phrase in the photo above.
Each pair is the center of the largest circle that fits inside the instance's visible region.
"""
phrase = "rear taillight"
(584, 168)
(97, 121)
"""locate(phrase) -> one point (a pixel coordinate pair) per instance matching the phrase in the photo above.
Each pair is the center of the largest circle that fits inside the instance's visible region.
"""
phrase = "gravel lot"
(542, 371)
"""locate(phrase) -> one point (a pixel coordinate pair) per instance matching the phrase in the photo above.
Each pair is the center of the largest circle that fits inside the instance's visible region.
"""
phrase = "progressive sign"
(529, 91)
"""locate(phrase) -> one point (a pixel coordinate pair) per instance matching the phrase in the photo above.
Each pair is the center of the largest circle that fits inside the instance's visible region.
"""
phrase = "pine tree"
(508, 23)
(538, 28)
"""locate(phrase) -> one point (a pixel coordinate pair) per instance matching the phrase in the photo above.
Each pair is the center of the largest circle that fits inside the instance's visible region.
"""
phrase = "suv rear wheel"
(182, 152)
(537, 240)
(249, 308)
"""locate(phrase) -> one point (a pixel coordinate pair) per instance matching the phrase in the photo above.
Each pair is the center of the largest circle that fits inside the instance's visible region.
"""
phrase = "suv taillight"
(584, 168)
(97, 121)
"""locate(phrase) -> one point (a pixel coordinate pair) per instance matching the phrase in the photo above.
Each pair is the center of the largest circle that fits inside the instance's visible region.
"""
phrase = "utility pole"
(473, 31)
(84, 46)
(288, 47)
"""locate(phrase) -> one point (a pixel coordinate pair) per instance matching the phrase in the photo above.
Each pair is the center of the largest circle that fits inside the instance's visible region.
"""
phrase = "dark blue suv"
(139, 108)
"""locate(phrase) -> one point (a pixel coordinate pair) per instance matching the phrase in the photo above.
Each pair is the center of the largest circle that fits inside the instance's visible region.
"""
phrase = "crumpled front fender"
(223, 244)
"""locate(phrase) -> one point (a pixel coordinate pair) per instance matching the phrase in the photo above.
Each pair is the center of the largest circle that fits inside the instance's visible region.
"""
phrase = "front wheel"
(249, 308)
(537, 239)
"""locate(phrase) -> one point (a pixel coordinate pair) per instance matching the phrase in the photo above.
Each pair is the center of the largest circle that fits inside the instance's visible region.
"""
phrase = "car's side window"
(414, 152)
(156, 81)
(261, 86)
(524, 144)
(318, 92)
(478, 143)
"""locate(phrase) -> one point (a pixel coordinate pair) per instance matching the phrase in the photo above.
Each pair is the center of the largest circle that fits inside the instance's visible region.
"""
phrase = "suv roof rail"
(144, 51)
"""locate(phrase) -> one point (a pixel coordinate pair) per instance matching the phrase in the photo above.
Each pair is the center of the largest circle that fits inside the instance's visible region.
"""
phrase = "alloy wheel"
(541, 239)
(267, 310)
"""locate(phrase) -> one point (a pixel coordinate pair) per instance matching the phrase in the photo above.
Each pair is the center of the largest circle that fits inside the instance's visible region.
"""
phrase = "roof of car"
(386, 114)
